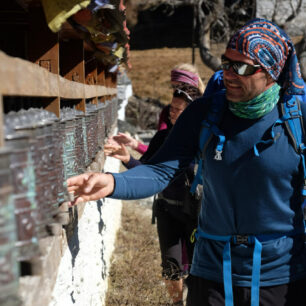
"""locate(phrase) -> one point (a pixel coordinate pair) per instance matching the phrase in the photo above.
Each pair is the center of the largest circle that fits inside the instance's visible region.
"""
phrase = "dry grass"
(135, 276)
(150, 73)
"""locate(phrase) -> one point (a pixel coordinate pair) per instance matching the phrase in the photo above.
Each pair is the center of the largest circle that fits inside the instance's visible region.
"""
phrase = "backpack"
(292, 117)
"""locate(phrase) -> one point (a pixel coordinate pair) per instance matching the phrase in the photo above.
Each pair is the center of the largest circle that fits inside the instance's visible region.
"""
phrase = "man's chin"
(232, 98)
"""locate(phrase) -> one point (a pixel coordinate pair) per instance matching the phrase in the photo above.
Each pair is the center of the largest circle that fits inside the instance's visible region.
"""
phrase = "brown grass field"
(150, 73)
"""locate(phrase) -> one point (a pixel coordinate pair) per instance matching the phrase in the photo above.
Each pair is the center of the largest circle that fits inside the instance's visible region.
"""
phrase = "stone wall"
(280, 10)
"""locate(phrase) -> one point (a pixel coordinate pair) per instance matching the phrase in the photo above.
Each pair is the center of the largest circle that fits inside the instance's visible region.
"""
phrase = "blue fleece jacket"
(243, 193)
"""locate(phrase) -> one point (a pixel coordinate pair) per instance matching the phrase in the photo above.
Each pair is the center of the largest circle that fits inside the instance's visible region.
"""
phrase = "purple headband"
(268, 45)
(184, 76)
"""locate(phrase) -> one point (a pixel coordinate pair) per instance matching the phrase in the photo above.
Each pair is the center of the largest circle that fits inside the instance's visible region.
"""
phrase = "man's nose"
(230, 73)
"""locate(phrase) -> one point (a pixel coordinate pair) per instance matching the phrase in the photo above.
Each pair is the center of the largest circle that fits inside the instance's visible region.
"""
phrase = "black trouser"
(203, 292)
(174, 228)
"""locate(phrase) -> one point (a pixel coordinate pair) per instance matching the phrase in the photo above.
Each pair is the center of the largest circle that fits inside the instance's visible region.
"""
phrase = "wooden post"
(101, 78)
(54, 106)
(72, 64)
(91, 72)
(43, 46)
(108, 82)
(43, 49)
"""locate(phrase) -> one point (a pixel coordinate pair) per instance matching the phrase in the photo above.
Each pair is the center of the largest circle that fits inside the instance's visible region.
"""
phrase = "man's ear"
(270, 80)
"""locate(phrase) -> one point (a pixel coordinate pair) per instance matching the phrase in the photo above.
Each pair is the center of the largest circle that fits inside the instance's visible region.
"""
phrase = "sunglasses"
(239, 68)
(178, 93)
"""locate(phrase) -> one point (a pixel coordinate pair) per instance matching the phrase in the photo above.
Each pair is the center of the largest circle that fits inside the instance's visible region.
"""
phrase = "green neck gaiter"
(258, 106)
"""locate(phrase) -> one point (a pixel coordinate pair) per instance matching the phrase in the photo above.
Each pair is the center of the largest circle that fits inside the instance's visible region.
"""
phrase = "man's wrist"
(112, 184)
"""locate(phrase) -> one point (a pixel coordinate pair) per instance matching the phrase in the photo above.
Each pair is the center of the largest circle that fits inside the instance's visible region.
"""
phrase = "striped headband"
(184, 76)
(268, 45)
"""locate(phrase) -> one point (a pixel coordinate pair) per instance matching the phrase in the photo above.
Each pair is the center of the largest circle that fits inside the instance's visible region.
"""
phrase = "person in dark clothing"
(175, 219)
(183, 75)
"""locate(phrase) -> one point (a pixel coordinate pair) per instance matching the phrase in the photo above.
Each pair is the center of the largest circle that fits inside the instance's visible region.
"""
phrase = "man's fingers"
(76, 201)
(77, 180)
(72, 188)
(91, 182)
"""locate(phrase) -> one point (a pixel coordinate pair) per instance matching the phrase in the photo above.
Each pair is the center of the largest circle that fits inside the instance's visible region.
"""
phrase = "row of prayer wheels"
(41, 151)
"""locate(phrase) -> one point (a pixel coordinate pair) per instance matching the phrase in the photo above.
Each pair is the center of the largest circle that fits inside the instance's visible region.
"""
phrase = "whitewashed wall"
(83, 272)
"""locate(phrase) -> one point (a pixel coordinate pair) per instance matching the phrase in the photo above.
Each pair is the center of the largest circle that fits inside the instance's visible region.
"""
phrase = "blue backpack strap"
(293, 119)
(251, 240)
(208, 128)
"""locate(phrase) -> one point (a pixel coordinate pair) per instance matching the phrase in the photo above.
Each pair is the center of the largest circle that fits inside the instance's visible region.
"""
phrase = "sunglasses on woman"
(178, 93)
(239, 68)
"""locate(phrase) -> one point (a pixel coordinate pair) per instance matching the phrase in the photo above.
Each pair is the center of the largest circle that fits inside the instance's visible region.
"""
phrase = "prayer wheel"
(69, 125)
(80, 141)
(24, 195)
(40, 134)
(9, 268)
(101, 125)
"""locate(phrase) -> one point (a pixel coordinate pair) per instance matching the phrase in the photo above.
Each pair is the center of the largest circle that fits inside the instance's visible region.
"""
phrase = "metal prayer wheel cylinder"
(80, 142)
(89, 136)
(40, 156)
(101, 125)
(114, 109)
(108, 117)
(51, 167)
(9, 268)
(24, 195)
(70, 162)
(85, 141)
(58, 140)
(94, 131)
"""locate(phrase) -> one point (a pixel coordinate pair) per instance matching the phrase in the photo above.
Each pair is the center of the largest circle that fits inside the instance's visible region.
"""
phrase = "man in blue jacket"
(250, 246)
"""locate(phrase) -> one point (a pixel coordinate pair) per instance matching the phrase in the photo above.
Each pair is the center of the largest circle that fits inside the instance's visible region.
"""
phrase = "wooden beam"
(41, 83)
(22, 78)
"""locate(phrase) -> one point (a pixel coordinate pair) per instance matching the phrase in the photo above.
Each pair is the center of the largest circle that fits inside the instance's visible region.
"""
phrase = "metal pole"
(193, 31)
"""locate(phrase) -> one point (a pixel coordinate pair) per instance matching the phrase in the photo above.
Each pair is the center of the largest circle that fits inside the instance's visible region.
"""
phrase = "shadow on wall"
(158, 28)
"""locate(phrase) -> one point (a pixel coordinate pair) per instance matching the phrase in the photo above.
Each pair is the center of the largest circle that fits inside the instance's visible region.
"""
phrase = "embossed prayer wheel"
(58, 152)
(92, 129)
(101, 125)
(80, 141)
(9, 268)
(89, 116)
(68, 124)
(114, 110)
(108, 117)
(24, 195)
(40, 152)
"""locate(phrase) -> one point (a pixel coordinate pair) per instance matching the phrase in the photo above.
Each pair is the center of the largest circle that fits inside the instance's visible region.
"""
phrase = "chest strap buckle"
(242, 239)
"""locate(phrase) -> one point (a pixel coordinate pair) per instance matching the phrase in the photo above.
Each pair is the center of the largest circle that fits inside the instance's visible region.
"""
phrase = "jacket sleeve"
(176, 153)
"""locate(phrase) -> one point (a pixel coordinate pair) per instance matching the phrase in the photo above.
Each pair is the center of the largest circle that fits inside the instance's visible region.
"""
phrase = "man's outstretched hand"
(90, 187)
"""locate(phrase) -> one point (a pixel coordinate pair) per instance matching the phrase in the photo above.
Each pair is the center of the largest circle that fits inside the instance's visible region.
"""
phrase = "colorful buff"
(184, 76)
(258, 106)
(267, 44)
